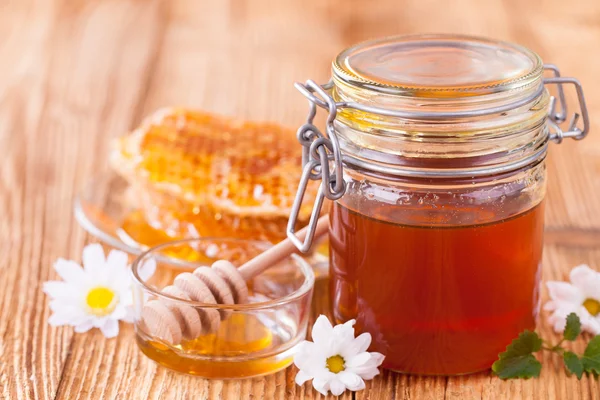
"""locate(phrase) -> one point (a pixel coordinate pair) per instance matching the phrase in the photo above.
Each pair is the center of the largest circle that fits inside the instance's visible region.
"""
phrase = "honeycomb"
(194, 174)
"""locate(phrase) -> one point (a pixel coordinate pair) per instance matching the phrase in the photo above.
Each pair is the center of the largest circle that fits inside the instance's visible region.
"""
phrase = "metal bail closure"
(321, 159)
(557, 117)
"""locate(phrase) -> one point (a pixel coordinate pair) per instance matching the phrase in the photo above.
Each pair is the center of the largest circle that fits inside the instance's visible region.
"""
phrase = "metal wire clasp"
(559, 116)
(321, 159)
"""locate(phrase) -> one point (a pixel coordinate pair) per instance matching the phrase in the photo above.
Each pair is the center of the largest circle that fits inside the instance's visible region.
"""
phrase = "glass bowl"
(252, 339)
(109, 209)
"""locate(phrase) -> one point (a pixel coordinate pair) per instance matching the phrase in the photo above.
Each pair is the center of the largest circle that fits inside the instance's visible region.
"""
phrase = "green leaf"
(573, 327)
(573, 364)
(591, 356)
(518, 361)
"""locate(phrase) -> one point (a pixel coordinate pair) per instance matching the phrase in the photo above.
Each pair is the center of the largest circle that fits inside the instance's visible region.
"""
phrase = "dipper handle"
(280, 251)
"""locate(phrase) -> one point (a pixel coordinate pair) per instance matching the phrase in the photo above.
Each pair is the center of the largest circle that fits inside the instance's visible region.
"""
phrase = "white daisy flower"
(95, 296)
(336, 360)
(581, 296)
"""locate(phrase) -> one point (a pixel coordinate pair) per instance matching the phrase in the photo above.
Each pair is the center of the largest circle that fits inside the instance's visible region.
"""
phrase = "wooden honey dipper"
(222, 283)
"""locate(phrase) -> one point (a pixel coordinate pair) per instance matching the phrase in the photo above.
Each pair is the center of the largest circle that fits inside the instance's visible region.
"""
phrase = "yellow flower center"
(335, 364)
(593, 306)
(101, 301)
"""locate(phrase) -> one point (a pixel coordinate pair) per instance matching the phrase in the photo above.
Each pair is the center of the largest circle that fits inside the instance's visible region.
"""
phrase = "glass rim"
(109, 240)
(305, 268)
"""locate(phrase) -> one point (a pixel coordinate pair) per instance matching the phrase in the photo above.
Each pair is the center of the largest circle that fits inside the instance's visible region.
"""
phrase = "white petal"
(363, 341)
(344, 332)
(67, 307)
(302, 377)
(322, 330)
(337, 387)
(60, 319)
(370, 369)
(593, 326)
(367, 373)
(120, 280)
(110, 328)
(84, 326)
(306, 346)
(116, 275)
(64, 305)
(342, 337)
(377, 358)
(587, 280)
(59, 290)
(321, 385)
(126, 297)
(558, 322)
(358, 345)
(93, 258)
(70, 271)
(588, 322)
(580, 273)
(117, 259)
(315, 365)
(129, 316)
(304, 355)
(563, 291)
(99, 321)
(592, 289)
(351, 380)
(147, 269)
(550, 306)
(120, 312)
(358, 360)
(129, 312)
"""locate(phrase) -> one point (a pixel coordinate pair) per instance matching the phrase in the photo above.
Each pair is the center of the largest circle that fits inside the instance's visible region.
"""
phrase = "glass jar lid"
(438, 66)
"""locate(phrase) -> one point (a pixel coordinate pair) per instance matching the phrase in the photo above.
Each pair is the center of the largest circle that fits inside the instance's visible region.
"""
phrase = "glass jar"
(434, 157)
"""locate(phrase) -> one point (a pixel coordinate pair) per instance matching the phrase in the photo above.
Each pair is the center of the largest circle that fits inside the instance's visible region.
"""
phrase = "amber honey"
(257, 337)
(137, 232)
(224, 354)
(194, 174)
(437, 299)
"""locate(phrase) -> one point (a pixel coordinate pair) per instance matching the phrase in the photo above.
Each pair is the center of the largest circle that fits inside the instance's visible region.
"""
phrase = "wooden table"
(76, 73)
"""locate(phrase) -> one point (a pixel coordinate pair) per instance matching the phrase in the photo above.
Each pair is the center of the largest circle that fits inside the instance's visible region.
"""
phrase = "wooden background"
(74, 74)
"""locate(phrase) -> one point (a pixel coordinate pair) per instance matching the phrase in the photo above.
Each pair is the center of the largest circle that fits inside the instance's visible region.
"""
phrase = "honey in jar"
(463, 291)
(435, 157)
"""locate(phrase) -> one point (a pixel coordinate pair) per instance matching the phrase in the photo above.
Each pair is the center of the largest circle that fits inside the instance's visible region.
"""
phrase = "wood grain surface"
(74, 74)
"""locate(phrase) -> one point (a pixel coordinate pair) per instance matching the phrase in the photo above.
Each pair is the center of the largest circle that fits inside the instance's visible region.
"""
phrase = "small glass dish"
(109, 209)
(253, 339)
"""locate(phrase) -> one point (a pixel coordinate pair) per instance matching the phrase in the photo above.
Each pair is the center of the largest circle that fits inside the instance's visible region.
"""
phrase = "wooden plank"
(76, 73)
(26, 349)
(103, 54)
(84, 71)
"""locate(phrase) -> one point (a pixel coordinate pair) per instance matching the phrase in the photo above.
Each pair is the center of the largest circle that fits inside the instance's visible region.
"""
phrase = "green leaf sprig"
(518, 360)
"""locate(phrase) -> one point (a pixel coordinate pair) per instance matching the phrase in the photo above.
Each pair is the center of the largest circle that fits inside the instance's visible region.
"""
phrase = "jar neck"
(490, 142)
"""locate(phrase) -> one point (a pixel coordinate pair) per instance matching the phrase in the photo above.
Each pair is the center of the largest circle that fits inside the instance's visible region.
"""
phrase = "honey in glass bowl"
(255, 338)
